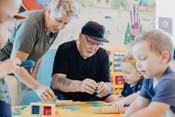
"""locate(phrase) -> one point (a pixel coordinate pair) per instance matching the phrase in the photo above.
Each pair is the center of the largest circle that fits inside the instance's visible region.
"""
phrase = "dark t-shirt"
(164, 92)
(128, 90)
(69, 61)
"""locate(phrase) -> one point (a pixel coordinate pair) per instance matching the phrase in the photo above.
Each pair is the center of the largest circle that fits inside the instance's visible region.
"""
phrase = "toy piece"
(95, 105)
(27, 63)
(71, 108)
(16, 112)
(68, 102)
(42, 109)
(54, 101)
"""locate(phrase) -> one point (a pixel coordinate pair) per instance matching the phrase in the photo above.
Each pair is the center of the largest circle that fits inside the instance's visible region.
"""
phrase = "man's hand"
(103, 89)
(89, 86)
(45, 93)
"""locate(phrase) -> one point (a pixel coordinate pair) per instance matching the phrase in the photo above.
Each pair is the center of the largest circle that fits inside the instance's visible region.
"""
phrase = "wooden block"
(42, 110)
(68, 103)
(105, 109)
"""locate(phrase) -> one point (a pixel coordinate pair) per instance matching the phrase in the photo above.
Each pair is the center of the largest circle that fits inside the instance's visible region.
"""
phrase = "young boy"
(133, 83)
(152, 52)
(132, 77)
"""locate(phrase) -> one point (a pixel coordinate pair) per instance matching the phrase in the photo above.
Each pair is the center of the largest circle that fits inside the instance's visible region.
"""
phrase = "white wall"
(166, 8)
(116, 25)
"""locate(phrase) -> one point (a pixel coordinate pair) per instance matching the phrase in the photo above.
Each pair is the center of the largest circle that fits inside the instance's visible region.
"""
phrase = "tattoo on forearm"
(64, 82)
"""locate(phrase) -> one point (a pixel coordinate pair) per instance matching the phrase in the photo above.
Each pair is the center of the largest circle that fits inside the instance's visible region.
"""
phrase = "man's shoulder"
(68, 45)
(101, 51)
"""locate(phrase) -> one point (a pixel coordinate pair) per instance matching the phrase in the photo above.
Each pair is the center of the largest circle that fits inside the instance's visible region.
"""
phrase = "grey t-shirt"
(29, 36)
(164, 92)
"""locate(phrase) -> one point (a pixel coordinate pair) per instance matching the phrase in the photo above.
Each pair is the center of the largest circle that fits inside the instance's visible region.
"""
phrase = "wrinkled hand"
(11, 65)
(45, 93)
(103, 89)
(89, 86)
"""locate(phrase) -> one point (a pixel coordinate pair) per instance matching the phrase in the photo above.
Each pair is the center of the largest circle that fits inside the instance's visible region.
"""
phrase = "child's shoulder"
(169, 75)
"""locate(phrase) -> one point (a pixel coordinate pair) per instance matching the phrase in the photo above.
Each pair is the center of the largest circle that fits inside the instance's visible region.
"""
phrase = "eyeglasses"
(93, 43)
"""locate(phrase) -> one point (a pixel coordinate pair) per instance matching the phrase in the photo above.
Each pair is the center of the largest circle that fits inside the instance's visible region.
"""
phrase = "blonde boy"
(152, 52)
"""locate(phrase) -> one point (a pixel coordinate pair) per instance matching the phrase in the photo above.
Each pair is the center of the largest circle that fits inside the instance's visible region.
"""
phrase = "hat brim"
(99, 39)
(20, 17)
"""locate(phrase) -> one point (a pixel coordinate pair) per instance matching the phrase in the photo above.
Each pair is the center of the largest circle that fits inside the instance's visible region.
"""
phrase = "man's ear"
(80, 36)
(165, 56)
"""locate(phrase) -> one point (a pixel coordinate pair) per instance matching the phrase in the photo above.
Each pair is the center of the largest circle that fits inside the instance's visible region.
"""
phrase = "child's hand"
(119, 105)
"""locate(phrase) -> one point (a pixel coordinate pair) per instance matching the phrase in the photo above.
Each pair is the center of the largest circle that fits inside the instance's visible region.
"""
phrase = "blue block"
(35, 110)
(71, 108)
(95, 105)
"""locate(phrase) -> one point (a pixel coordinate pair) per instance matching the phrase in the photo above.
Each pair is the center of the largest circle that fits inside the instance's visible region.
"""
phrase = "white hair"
(60, 8)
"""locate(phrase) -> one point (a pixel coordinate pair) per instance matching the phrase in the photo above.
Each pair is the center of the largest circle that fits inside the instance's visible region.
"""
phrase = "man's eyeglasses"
(93, 43)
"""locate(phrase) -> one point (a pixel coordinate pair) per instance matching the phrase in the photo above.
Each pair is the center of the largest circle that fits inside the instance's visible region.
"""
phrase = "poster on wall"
(165, 23)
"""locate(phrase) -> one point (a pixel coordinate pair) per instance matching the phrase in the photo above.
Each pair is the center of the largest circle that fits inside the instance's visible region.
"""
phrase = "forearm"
(66, 85)
(146, 112)
(26, 78)
(129, 99)
(137, 105)
(112, 98)
(35, 70)
(3, 72)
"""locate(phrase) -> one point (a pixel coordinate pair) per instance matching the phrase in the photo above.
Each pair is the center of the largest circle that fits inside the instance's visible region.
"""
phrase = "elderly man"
(81, 67)
(32, 37)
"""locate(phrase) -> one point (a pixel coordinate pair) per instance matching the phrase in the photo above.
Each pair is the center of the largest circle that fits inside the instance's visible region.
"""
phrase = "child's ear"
(165, 56)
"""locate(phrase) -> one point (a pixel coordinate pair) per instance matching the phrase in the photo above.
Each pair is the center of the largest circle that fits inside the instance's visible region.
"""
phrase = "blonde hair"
(157, 40)
(63, 7)
(130, 59)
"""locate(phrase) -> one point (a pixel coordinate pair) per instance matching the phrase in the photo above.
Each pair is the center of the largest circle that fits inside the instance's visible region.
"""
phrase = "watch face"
(165, 23)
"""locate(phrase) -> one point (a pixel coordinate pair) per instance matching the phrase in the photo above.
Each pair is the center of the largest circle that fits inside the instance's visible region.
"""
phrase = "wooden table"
(85, 111)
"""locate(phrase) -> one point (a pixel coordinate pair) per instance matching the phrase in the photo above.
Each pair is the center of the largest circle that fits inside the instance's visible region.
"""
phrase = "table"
(85, 111)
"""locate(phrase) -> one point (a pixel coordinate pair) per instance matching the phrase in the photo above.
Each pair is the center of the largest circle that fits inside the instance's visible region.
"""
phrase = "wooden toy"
(42, 110)
(105, 109)
(68, 102)
(116, 55)
(71, 108)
